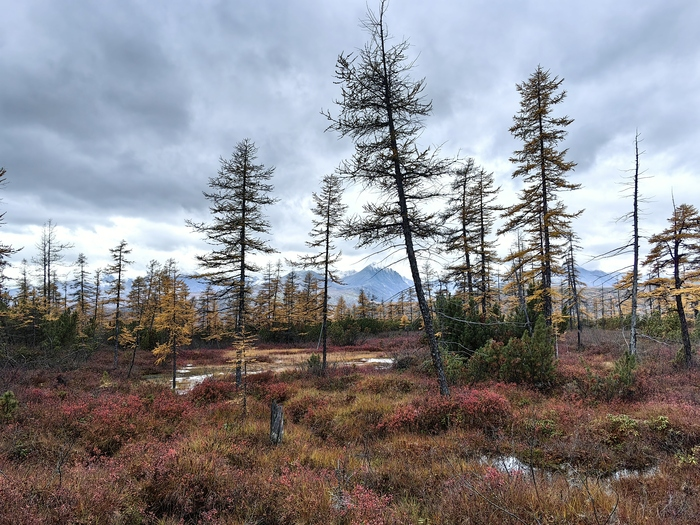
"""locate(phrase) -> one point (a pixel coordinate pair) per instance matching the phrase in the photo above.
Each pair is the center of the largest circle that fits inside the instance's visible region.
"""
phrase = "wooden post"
(276, 423)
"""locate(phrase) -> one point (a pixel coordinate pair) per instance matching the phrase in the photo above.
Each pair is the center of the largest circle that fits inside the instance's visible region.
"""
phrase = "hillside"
(380, 284)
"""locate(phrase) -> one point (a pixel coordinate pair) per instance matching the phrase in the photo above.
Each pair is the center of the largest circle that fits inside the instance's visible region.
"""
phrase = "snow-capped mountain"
(379, 284)
(597, 278)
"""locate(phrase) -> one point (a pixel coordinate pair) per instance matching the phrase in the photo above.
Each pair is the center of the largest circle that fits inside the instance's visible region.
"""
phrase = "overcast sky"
(113, 114)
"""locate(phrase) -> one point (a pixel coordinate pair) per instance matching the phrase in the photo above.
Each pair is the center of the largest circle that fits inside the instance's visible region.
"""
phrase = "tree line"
(477, 297)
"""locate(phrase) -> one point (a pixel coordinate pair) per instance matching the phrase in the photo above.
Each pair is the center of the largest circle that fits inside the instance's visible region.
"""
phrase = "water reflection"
(511, 465)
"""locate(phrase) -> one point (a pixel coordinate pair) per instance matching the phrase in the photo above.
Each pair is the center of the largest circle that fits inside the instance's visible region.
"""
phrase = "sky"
(114, 114)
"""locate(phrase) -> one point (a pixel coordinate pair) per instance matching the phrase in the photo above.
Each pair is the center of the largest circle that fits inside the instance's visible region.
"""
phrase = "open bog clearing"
(190, 372)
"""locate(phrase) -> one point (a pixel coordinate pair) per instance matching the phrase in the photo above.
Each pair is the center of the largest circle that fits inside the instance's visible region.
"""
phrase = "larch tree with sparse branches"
(469, 216)
(116, 270)
(175, 316)
(675, 258)
(542, 165)
(382, 110)
(329, 211)
(460, 216)
(239, 194)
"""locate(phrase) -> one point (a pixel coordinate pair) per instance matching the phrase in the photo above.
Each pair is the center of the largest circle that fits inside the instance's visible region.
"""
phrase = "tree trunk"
(408, 235)
(685, 335)
(635, 242)
(276, 423)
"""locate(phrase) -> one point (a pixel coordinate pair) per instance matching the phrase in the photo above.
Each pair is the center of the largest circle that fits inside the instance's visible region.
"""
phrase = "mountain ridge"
(378, 283)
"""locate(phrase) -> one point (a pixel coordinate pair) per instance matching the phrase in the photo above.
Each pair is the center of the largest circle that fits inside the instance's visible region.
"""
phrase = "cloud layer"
(113, 115)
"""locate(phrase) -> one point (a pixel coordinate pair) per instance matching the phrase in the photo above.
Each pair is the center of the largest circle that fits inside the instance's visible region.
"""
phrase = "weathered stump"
(276, 423)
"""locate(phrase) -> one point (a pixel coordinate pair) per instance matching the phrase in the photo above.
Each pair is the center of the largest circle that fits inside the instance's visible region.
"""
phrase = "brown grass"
(361, 445)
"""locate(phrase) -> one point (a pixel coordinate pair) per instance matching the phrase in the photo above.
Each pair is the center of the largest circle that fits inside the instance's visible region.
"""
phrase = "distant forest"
(60, 309)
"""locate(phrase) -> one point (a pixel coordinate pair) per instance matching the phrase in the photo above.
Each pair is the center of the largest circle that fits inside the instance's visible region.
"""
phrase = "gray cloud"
(112, 110)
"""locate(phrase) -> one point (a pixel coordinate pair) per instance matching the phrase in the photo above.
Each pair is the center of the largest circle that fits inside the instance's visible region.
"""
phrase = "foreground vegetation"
(361, 445)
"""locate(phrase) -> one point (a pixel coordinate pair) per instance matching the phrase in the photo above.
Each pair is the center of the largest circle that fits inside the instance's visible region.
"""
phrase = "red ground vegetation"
(361, 445)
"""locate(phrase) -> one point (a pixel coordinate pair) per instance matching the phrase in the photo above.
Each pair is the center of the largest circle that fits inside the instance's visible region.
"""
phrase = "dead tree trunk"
(276, 423)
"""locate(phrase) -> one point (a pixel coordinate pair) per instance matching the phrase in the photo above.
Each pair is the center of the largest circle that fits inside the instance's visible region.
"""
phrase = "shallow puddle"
(191, 375)
(511, 464)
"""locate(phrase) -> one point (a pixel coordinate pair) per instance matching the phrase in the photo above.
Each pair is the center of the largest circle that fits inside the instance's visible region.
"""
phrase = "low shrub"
(528, 360)
(212, 390)
(480, 409)
(261, 378)
(386, 385)
(363, 506)
(319, 419)
(621, 382)
(297, 408)
(357, 422)
(268, 392)
(406, 360)
(338, 379)
(185, 485)
(483, 409)
(8, 405)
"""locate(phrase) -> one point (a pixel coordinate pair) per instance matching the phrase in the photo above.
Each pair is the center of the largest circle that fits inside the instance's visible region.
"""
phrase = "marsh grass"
(361, 446)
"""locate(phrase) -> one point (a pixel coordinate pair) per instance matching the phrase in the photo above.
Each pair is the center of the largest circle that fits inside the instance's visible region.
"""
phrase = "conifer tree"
(263, 299)
(340, 311)
(137, 299)
(239, 193)
(97, 314)
(543, 168)
(116, 270)
(382, 110)
(363, 307)
(460, 238)
(676, 251)
(574, 287)
(210, 322)
(486, 251)
(81, 286)
(50, 254)
(176, 316)
(308, 299)
(5, 249)
(470, 217)
(154, 293)
(329, 211)
(516, 282)
(290, 312)
(268, 299)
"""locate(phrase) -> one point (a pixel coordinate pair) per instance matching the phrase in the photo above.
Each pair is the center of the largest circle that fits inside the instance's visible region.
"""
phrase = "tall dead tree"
(50, 254)
(631, 280)
(635, 247)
